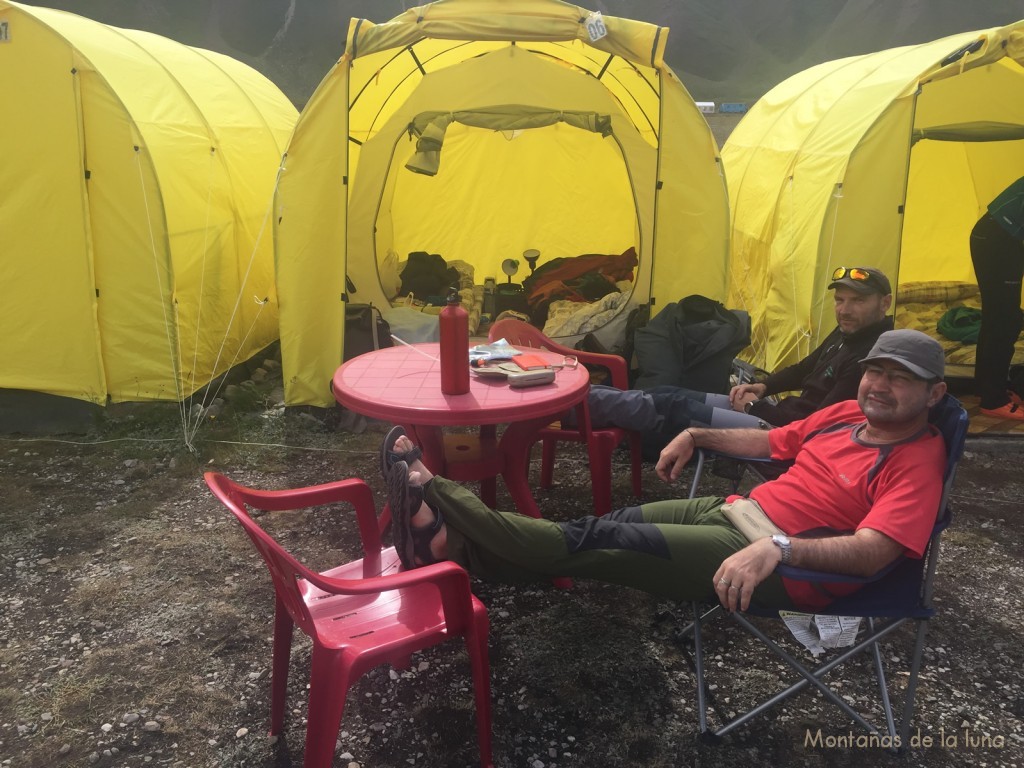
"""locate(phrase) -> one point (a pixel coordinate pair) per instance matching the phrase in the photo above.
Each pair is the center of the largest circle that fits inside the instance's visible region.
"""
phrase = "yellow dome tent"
(137, 180)
(562, 132)
(886, 160)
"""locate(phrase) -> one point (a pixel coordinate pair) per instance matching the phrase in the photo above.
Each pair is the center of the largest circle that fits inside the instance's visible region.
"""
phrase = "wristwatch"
(783, 543)
(746, 406)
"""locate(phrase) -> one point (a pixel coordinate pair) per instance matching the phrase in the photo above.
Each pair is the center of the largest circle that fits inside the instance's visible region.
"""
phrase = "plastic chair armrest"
(352, 491)
(451, 580)
(446, 575)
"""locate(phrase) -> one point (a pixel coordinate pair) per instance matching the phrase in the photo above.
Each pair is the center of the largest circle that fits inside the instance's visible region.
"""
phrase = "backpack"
(691, 343)
(365, 330)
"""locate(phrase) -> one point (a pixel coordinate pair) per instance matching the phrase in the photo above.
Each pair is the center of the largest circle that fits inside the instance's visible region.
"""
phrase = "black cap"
(873, 280)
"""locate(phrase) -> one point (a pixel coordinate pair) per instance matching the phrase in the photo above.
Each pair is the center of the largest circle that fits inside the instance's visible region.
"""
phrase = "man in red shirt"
(863, 491)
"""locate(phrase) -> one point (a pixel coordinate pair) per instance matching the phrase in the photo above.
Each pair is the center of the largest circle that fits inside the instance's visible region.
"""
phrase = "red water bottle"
(454, 321)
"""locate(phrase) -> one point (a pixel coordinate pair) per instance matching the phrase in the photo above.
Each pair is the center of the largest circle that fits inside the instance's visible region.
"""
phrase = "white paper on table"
(495, 350)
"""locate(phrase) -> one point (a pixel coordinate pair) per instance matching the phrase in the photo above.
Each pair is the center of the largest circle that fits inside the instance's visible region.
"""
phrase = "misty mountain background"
(722, 50)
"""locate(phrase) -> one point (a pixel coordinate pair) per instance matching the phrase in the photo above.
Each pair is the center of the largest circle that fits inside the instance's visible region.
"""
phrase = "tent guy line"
(310, 448)
(190, 434)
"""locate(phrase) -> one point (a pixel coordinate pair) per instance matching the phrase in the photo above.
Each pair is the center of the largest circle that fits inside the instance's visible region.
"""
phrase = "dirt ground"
(135, 622)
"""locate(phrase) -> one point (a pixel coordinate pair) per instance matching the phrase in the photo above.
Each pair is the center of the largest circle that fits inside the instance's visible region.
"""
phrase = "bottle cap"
(453, 296)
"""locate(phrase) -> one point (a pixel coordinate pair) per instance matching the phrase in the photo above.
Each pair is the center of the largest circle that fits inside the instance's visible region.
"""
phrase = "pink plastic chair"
(600, 441)
(357, 617)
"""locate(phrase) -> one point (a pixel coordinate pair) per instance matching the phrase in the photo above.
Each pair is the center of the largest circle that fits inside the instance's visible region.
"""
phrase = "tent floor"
(986, 426)
(960, 383)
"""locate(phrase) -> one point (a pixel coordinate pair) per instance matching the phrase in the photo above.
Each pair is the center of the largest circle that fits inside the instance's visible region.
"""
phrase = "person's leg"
(662, 412)
(627, 408)
(726, 418)
(710, 399)
(716, 400)
(683, 408)
(680, 408)
(677, 518)
(998, 265)
(670, 549)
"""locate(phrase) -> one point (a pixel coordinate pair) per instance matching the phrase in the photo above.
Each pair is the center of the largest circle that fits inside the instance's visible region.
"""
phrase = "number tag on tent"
(595, 26)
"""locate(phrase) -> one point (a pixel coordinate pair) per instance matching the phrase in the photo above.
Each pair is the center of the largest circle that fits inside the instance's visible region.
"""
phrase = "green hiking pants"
(668, 548)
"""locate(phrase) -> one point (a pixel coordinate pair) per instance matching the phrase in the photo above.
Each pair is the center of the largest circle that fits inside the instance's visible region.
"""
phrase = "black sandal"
(388, 456)
(404, 501)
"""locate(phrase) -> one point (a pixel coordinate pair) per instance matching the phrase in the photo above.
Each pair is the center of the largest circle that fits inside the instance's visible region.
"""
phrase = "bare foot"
(425, 516)
(403, 445)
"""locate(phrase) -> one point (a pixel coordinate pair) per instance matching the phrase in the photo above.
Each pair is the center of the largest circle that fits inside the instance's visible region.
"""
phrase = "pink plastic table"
(403, 385)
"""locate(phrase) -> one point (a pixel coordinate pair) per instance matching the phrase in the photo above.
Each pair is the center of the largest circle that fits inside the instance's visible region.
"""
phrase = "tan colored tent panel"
(514, 171)
(137, 182)
(885, 160)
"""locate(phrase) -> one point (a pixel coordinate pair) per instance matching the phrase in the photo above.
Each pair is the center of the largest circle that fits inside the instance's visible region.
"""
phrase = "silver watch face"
(782, 542)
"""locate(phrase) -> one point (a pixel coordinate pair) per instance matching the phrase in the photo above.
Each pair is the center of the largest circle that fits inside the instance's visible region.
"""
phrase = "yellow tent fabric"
(346, 198)
(886, 160)
(137, 179)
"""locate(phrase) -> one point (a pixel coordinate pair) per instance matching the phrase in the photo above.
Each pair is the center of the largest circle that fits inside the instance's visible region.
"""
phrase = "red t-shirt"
(841, 484)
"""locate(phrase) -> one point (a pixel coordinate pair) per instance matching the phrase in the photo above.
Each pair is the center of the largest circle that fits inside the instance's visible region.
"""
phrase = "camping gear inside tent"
(884, 160)
(480, 131)
(137, 182)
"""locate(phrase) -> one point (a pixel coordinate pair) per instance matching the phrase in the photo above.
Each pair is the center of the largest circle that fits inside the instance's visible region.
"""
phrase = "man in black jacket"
(830, 374)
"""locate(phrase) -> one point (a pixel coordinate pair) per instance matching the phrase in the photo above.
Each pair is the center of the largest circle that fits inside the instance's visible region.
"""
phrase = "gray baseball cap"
(861, 279)
(918, 352)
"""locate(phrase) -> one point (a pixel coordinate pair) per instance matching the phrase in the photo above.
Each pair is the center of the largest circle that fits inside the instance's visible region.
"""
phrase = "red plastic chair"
(357, 617)
(600, 441)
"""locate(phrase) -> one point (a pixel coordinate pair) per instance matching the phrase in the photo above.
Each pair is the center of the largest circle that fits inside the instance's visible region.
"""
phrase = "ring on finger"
(733, 586)
(726, 582)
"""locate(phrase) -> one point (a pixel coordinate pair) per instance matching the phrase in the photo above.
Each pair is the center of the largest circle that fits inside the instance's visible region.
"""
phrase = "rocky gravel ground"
(135, 622)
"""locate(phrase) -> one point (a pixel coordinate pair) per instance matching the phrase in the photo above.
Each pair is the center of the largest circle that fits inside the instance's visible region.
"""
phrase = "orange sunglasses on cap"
(854, 273)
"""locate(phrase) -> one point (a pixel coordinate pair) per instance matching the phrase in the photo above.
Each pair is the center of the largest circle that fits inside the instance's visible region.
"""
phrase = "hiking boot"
(1010, 411)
